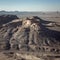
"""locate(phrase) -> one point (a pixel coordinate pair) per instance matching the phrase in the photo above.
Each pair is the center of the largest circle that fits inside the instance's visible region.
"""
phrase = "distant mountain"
(26, 13)
(9, 12)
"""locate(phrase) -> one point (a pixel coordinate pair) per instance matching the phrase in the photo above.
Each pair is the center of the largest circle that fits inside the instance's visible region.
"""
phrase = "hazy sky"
(30, 5)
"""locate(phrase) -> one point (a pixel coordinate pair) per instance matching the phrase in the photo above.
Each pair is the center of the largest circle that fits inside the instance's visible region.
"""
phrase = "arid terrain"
(30, 36)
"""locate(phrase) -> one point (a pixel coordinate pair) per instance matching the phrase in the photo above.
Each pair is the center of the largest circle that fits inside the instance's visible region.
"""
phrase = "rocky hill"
(28, 34)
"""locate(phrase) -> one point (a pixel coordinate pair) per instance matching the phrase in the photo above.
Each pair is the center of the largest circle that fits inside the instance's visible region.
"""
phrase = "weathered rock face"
(28, 34)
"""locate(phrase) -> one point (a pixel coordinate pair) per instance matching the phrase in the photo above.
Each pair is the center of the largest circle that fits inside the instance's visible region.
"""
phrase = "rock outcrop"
(27, 33)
